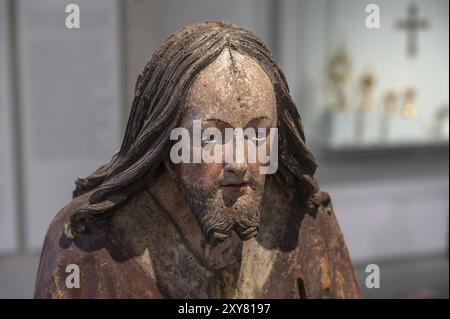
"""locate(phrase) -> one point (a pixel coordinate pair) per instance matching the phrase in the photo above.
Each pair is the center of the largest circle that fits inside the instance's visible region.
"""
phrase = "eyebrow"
(226, 124)
(222, 123)
(258, 118)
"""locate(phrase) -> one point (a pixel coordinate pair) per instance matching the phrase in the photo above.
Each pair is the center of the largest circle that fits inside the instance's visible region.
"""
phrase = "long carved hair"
(159, 100)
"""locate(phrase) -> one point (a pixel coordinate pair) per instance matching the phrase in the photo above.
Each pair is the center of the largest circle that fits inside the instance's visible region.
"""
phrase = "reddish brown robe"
(294, 255)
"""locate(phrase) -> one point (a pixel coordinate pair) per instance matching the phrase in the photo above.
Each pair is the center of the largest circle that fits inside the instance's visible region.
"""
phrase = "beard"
(218, 214)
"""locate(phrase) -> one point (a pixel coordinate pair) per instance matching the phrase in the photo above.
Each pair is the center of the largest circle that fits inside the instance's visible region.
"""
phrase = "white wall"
(70, 99)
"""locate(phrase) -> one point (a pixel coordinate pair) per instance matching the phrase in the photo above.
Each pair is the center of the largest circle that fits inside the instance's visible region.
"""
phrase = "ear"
(169, 166)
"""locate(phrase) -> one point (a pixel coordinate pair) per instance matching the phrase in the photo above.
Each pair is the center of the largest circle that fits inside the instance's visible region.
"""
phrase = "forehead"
(234, 89)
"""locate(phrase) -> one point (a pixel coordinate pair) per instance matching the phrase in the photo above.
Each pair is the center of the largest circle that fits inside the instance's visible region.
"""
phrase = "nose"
(234, 173)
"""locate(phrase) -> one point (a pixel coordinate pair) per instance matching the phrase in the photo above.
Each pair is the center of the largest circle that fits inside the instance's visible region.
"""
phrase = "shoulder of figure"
(322, 243)
(88, 257)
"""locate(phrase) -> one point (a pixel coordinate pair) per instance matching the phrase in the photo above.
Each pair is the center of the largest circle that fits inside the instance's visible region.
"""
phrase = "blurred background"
(374, 100)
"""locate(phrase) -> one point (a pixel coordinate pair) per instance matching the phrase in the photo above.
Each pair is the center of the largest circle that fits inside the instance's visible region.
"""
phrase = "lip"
(235, 187)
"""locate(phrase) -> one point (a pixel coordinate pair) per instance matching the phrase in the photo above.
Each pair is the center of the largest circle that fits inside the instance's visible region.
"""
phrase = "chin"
(242, 219)
(216, 237)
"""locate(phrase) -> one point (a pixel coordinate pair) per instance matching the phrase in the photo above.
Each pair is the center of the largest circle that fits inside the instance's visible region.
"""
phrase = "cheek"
(254, 169)
(200, 175)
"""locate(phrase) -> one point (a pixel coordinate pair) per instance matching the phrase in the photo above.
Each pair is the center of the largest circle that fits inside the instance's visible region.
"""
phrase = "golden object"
(338, 71)
(367, 83)
(390, 100)
(409, 109)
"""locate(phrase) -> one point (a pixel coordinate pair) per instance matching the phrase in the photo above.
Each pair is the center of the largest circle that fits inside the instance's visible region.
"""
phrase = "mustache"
(210, 192)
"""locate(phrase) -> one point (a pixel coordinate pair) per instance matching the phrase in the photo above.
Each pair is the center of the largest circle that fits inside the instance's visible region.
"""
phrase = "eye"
(260, 136)
(258, 139)
(210, 139)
